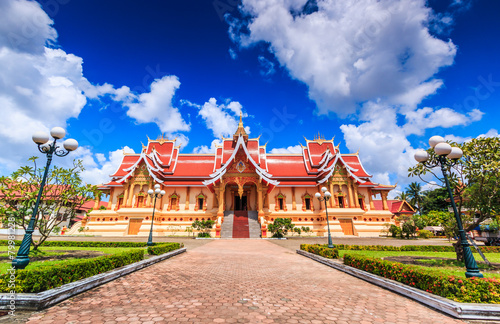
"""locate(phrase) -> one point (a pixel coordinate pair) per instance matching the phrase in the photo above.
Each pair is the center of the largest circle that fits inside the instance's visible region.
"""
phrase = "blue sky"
(380, 76)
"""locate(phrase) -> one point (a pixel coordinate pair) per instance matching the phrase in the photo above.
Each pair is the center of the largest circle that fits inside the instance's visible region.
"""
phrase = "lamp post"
(449, 156)
(157, 193)
(49, 148)
(325, 198)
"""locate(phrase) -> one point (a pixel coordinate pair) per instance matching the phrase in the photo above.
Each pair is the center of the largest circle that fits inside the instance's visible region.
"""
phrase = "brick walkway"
(239, 281)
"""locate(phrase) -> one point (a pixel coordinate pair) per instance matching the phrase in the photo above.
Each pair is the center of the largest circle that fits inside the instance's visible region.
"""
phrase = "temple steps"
(246, 225)
(253, 224)
(240, 224)
(226, 229)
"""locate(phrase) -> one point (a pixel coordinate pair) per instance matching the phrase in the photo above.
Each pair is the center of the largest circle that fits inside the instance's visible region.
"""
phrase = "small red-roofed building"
(240, 176)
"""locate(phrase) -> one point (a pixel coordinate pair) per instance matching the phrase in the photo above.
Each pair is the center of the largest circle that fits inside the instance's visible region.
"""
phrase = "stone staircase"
(253, 224)
(226, 230)
(227, 227)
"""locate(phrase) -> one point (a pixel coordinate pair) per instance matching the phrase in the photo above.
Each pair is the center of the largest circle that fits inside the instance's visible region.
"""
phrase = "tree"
(415, 195)
(481, 163)
(402, 196)
(280, 227)
(204, 226)
(475, 179)
(63, 194)
(435, 200)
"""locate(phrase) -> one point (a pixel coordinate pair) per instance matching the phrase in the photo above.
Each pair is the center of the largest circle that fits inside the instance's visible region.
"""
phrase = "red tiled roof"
(312, 166)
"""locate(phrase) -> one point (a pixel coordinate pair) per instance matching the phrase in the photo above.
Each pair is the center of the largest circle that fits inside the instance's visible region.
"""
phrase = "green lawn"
(48, 251)
(449, 267)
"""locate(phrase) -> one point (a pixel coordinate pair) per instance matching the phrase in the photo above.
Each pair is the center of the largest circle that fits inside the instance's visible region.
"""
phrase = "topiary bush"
(471, 290)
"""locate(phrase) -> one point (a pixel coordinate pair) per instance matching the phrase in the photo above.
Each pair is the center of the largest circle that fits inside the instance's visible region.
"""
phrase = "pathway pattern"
(239, 281)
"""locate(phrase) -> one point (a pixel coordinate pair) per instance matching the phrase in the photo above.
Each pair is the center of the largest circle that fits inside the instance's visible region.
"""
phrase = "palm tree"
(415, 194)
(402, 196)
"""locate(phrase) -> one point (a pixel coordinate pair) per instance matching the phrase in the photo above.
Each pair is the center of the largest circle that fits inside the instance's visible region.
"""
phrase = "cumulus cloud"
(419, 120)
(349, 52)
(222, 119)
(98, 168)
(382, 144)
(40, 86)
(156, 106)
(203, 149)
(291, 149)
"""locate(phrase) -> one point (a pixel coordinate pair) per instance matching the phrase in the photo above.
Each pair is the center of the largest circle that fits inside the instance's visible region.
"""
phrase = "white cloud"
(291, 149)
(203, 149)
(221, 119)
(40, 87)
(99, 172)
(491, 133)
(419, 120)
(156, 106)
(348, 52)
(24, 27)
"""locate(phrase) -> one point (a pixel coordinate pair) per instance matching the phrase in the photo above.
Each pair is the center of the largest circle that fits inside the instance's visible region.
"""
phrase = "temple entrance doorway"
(240, 203)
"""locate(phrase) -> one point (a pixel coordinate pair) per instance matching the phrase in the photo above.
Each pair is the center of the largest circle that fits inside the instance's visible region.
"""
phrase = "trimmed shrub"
(51, 276)
(163, 248)
(421, 248)
(471, 290)
(321, 250)
(425, 234)
(82, 244)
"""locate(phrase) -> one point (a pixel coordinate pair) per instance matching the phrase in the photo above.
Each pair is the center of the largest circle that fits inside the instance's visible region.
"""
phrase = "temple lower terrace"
(240, 179)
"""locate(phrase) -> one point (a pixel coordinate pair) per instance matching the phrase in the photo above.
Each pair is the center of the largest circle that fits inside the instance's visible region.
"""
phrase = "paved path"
(239, 281)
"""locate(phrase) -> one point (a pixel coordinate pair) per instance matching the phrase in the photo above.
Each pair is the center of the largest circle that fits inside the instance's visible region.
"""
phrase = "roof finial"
(241, 129)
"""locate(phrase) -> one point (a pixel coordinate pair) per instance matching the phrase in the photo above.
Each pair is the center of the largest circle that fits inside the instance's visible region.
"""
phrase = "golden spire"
(241, 129)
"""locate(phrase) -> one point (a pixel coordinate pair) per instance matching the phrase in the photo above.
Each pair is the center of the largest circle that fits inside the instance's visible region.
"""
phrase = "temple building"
(243, 189)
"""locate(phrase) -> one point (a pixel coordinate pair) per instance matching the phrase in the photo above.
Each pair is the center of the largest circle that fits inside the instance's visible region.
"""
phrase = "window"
(341, 202)
(173, 202)
(280, 202)
(200, 203)
(308, 203)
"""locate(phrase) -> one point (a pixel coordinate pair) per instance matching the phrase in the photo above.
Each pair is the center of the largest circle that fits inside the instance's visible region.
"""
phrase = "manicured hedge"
(164, 248)
(321, 250)
(470, 290)
(422, 248)
(52, 276)
(83, 244)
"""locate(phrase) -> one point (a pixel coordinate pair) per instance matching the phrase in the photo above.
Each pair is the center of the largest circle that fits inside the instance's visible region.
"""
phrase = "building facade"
(241, 176)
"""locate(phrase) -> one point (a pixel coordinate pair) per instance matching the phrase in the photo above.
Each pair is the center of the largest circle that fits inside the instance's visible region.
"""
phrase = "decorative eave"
(263, 174)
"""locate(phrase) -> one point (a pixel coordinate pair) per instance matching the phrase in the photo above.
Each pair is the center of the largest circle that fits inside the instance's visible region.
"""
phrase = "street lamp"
(157, 193)
(327, 196)
(447, 157)
(49, 148)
